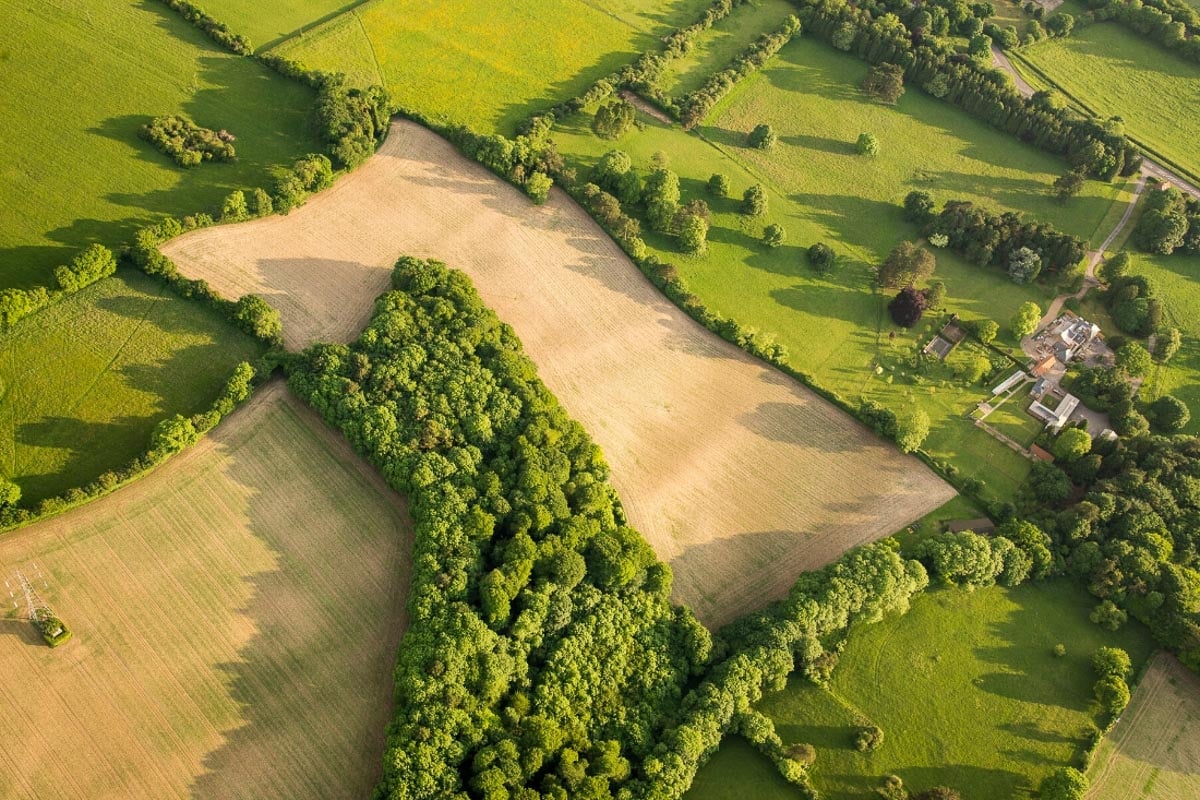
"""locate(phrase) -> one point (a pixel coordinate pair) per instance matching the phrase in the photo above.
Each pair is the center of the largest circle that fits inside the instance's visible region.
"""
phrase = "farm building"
(1009, 382)
(1055, 417)
(979, 525)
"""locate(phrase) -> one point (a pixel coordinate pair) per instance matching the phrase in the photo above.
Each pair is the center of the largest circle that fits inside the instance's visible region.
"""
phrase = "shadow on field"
(828, 300)
(822, 144)
(999, 783)
(28, 266)
(319, 599)
(86, 450)
(801, 423)
(23, 630)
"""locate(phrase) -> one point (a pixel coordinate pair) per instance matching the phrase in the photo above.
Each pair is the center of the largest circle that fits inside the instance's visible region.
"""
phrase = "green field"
(1177, 280)
(819, 190)
(267, 24)
(76, 82)
(1116, 71)
(1013, 421)
(717, 47)
(965, 688)
(463, 62)
(83, 383)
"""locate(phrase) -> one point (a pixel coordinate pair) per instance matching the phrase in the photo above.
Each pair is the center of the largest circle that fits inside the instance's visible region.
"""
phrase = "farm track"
(739, 477)
(236, 615)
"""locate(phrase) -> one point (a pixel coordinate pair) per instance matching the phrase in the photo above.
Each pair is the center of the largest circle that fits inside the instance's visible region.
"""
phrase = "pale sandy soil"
(739, 477)
(236, 616)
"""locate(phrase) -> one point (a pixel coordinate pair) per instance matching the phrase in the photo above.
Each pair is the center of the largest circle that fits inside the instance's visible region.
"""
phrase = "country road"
(1149, 166)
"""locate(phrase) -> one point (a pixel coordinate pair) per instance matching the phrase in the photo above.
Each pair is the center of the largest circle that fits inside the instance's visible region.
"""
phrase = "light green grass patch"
(77, 80)
(83, 383)
(966, 689)
(836, 327)
(1177, 280)
(469, 62)
(718, 46)
(1116, 71)
(267, 24)
(1012, 419)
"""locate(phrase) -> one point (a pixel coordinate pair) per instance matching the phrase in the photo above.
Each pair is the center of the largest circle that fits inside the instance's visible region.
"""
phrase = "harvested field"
(236, 617)
(738, 476)
(1154, 752)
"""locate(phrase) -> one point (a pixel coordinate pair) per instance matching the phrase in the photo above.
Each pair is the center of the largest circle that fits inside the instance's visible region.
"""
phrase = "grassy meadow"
(76, 171)
(1116, 71)
(820, 190)
(268, 24)
(83, 383)
(1177, 279)
(464, 62)
(965, 687)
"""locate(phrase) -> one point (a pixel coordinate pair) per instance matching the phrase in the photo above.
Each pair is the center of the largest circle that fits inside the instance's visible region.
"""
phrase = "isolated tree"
(867, 145)
(986, 330)
(1168, 345)
(718, 185)
(1133, 359)
(1071, 445)
(693, 233)
(1115, 268)
(935, 295)
(661, 196)
(912, 426)
(774, 235)
(1025, 321)
(907, 307)
(868, 738)
(802, 753)
(821, 257)
(754, 201)
(762, 137)
(919, 208)
(1068, 185)
(10, 493)
(613, 120)
(1024, 265)
(885, 82)
(1168, 414)
(905, 265)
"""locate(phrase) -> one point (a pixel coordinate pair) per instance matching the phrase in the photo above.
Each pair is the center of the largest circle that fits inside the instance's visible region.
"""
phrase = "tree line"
(92, 264)
(1172, 23)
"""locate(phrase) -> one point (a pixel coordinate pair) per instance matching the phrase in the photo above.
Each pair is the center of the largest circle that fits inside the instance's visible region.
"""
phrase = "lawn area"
(717, 47)
(1177, 279)
(468, 62)
(965, 688)
(819, 190)
(76, 171)
(83, 383)
(1012, 420)
(267, 24)
(1116, 71)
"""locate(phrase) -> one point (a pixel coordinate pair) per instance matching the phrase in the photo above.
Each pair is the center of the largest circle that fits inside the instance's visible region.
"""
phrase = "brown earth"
(738, 476)
(236, 616)
(1154, 751)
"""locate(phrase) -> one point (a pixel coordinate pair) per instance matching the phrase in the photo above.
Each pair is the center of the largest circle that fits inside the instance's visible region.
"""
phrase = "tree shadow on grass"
(86, 449)
(29, 266)
(822, 144)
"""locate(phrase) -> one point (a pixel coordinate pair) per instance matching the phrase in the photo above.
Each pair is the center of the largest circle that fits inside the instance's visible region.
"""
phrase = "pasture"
(1175, 278)
(965, 687)
(76, 171)
(1116, 71)
(268, 24)
(83, 383)
(1153, 753)
(467, 62)
(236, 616)
(681, 415)
(835, 326)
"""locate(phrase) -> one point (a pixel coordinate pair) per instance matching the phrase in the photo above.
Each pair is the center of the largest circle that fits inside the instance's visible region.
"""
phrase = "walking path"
(1149, 166)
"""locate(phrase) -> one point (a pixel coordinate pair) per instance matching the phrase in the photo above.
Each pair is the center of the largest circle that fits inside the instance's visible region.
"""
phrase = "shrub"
(802, 753)
(10, 493)
(693, 234)
(1059, 650)
(754, 201)
(935, 295)
(763, 137)
(91, 265)
(186, 142)
(867, 145)
(868, 738)
(718, 185)
(774, 235)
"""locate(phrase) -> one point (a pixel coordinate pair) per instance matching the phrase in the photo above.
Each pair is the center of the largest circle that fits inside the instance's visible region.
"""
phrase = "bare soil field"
(1154, 751)
(738, 476)
(236, 617)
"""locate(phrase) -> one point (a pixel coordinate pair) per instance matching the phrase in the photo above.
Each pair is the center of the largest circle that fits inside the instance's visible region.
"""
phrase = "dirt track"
(236, 617)
(738, 476)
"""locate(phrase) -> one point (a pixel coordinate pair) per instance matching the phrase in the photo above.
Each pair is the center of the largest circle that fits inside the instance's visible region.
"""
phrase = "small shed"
(978, 525)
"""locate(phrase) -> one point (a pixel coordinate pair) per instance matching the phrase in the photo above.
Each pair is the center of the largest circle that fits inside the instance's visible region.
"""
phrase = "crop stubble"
(739, 477)
(236, 616)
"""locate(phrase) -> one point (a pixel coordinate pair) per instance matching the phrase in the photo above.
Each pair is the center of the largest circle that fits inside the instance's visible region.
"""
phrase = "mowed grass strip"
(84, 382)
(836, 326)
(1117, 71)
(1154, 751)
(738, 477)
(236, 616)
(79, 79)
(966, 689)
(486, 66)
